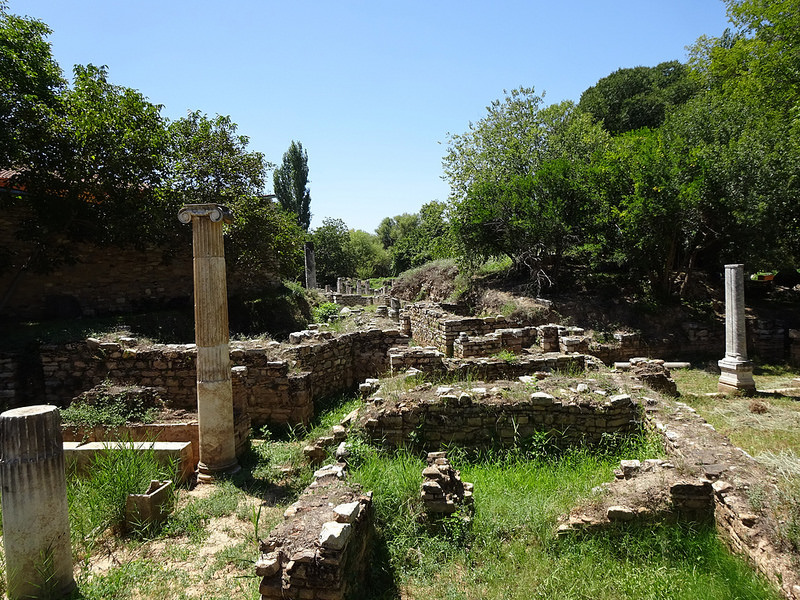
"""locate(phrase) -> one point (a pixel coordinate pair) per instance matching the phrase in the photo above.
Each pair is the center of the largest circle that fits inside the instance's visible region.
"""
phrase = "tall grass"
(97, 501)
(510, 550)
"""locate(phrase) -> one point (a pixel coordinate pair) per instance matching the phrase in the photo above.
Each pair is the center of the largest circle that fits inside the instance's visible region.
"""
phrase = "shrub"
(325, 312)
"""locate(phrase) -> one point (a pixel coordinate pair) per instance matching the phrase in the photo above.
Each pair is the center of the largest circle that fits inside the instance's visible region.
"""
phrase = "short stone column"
(340, 285)
(736, 372)
(34, 501)
(311, 266)
(214, 388)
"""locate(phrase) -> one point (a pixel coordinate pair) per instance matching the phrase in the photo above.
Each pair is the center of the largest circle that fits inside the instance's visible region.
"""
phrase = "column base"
(206, 474)
(736, 375)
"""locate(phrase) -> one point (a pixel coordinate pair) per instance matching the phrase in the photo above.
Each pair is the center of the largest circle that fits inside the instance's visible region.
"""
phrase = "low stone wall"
(321, 549)
(427, 360)
(431, 325)
(343, 362)
(349, 299)
(509, 339)
(471, 421)
(270, 389)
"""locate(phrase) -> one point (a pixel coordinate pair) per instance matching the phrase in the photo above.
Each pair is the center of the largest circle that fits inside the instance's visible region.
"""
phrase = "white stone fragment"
(330, 470)
(334, 535)
(348, 512)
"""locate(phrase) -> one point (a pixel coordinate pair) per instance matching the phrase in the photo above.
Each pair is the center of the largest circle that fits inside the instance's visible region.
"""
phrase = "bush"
(325, 312)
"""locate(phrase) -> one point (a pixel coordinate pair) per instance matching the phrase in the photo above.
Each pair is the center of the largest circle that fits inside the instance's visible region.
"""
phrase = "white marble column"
(736, 372)
(34, 500)
(214, 389)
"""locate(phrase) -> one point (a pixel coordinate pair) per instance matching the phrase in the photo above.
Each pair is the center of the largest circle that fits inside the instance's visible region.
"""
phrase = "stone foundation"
(479, 420)
(320, 551)
(272, 383)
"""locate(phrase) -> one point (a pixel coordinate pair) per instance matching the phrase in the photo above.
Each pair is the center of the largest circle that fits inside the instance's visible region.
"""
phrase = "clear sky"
(371, 88)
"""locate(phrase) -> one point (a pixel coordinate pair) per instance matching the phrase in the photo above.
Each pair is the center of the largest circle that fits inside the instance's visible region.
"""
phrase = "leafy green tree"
(210, 162)
(97, 175)
(290, 181)
(332, 251)
(371, 259)
(639, 97)
(517, 181)
(31, 83)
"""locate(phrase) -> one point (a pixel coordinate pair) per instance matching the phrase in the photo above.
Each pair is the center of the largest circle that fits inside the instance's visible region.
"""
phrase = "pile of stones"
(443, 492)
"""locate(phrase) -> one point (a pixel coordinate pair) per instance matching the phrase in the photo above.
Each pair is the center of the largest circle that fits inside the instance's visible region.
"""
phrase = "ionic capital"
(215, 212)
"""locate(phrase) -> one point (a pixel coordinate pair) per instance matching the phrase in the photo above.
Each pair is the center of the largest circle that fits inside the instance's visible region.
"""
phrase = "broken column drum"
(214, 390)
(736, 371)
(35, 519)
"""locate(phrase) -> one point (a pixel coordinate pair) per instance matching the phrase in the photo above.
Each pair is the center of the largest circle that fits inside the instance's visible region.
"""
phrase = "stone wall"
(468, 420)
(794, 347)
(349, 299)
(102, 279)
(272, 386)
(321, 550)
(509, 339)
(9, 381)
(431, 360)
(431, 325)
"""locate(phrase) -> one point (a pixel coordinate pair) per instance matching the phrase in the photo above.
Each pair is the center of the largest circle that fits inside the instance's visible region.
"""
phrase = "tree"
(369, 255)
(31, 83)
(290, 181)
(332, 251)
(629, 99)
(210, 162)
(516, 180)
(97, 174)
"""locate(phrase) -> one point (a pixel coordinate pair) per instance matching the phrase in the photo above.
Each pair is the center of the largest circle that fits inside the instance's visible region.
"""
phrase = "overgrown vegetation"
(111, 406)
(510, 550)
(97, 496)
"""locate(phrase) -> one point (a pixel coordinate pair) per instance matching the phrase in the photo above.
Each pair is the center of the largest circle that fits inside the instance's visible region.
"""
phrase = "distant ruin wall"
(431, 325)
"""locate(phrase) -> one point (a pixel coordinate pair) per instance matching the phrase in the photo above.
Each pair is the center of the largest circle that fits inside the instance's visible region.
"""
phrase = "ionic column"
(214, 391)
(34, 502)
(736, 372)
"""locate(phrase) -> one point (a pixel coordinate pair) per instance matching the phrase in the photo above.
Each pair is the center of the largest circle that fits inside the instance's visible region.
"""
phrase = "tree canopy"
(98, 162)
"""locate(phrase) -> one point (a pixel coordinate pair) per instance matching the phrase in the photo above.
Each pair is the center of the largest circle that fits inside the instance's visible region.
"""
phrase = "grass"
(97, 501)
(511, 551)
(738, 417)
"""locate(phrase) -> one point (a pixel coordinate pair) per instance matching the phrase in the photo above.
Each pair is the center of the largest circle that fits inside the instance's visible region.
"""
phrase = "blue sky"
(370, 88)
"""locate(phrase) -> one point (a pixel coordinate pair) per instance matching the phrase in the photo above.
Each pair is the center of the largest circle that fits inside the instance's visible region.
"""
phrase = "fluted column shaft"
(736, 372)
(214, 391)
(735, 332)
(34, 501)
